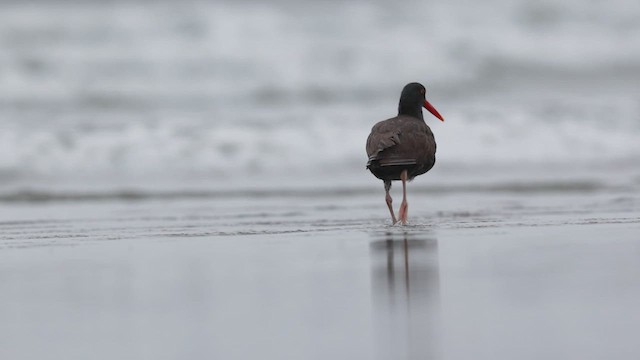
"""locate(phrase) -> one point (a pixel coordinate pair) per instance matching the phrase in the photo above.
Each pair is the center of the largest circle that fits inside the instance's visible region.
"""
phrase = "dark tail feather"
(371, 160)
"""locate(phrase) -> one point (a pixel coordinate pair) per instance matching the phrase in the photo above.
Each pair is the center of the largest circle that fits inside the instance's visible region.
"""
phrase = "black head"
(413, 99)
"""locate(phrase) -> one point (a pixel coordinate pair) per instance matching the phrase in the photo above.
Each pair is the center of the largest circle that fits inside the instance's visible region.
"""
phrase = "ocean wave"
(479, 132)
(226, 49)
(218, 89)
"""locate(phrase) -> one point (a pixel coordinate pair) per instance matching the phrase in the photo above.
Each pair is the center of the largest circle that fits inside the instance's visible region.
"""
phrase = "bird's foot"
(394, 220)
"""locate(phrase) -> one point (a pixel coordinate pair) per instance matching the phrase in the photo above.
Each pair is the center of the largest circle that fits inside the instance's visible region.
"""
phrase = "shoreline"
(479, 275)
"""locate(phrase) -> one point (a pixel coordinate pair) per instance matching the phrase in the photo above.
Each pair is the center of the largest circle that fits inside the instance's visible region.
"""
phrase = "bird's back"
(399, 143)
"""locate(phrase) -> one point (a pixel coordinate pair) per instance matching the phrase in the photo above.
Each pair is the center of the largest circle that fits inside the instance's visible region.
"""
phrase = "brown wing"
(384, 135)
(401, 140)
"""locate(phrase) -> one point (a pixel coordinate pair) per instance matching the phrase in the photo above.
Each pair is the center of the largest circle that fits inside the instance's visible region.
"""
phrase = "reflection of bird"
(403, 147)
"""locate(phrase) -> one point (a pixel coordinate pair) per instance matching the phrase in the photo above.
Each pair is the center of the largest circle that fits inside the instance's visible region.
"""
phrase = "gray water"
(186, 180)
(475, 275)
(192, 94)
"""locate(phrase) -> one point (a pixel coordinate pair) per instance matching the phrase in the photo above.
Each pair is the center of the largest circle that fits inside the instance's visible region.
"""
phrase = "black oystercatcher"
(403, 147)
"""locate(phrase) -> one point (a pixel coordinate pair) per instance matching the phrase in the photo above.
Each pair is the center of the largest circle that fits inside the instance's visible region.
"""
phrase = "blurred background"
(195, 94)
(245, 121)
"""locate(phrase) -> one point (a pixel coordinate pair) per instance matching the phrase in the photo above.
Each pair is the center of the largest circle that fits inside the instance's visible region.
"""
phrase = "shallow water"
(474, 275)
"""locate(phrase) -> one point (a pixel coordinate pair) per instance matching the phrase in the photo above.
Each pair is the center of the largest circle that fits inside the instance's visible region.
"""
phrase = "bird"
(403, 147)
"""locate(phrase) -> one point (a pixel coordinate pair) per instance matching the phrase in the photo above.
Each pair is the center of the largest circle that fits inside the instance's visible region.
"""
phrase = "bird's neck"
(413, 111)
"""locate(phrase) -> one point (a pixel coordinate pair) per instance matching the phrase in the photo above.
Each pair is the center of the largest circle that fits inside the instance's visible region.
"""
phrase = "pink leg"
(404, 206)
(389, 200)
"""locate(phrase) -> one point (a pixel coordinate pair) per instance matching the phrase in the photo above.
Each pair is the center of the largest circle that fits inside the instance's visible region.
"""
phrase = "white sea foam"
(193, 88)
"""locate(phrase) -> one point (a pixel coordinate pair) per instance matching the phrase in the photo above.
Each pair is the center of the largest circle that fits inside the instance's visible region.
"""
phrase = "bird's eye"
(422, 91)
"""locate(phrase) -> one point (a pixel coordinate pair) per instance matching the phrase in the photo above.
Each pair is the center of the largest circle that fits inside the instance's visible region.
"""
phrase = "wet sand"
(484, 275)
